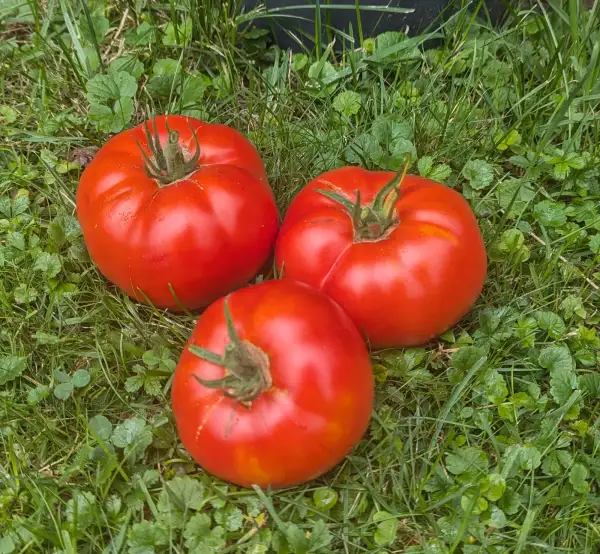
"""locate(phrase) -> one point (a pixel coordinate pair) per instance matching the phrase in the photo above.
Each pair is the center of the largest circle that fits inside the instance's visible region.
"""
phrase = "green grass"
(485, 441)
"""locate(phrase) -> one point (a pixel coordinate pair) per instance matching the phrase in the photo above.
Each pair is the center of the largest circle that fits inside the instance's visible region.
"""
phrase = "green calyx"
(167, 164)
(372, 221)
(247, 373)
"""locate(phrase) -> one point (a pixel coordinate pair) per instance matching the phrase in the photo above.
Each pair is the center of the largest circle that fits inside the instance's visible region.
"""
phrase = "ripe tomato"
(297, 393)
(193, 212)
(406, 261)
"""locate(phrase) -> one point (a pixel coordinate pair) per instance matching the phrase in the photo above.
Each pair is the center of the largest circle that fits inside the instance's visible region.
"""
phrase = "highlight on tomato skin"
(177, 212)
(274, 387)
(401, 254)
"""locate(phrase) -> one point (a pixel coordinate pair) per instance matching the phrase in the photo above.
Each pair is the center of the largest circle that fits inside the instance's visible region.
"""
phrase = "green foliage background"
(485, 441)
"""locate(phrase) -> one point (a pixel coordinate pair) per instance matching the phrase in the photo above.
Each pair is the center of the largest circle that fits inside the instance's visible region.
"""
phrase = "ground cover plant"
(485, 440)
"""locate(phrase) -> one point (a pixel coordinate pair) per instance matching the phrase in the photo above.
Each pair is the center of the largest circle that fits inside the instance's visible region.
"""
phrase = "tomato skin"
(320, 403)
(403, 289)
(206, 234)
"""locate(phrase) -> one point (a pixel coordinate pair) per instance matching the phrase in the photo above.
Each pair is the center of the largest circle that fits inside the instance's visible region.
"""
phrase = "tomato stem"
(371, 221)
(338, 198)
(167, 164)
(247, 373)
(356, 211)
(390, 201)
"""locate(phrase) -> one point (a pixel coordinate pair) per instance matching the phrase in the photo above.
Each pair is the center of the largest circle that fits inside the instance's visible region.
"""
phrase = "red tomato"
(203, 226)
(297, 394)
(405, 269)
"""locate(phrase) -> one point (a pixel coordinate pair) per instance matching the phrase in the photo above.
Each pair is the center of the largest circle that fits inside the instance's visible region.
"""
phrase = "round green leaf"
(595, 244)
(80, 378)
(7, 545)
(63, 391)
(101, 426)
(325, 498)
(61, 376)
(36, 395)
(479, 173)
(577, 478)
(477, 506)
(347, 103)
(387, 527)
(11, 367)
(529, 457)
(466, 412)
(497, 518)
(494, 486)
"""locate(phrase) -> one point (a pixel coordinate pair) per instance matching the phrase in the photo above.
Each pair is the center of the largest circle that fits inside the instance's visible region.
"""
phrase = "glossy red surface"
(404, 288)
(205, 234)
(317, 409)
